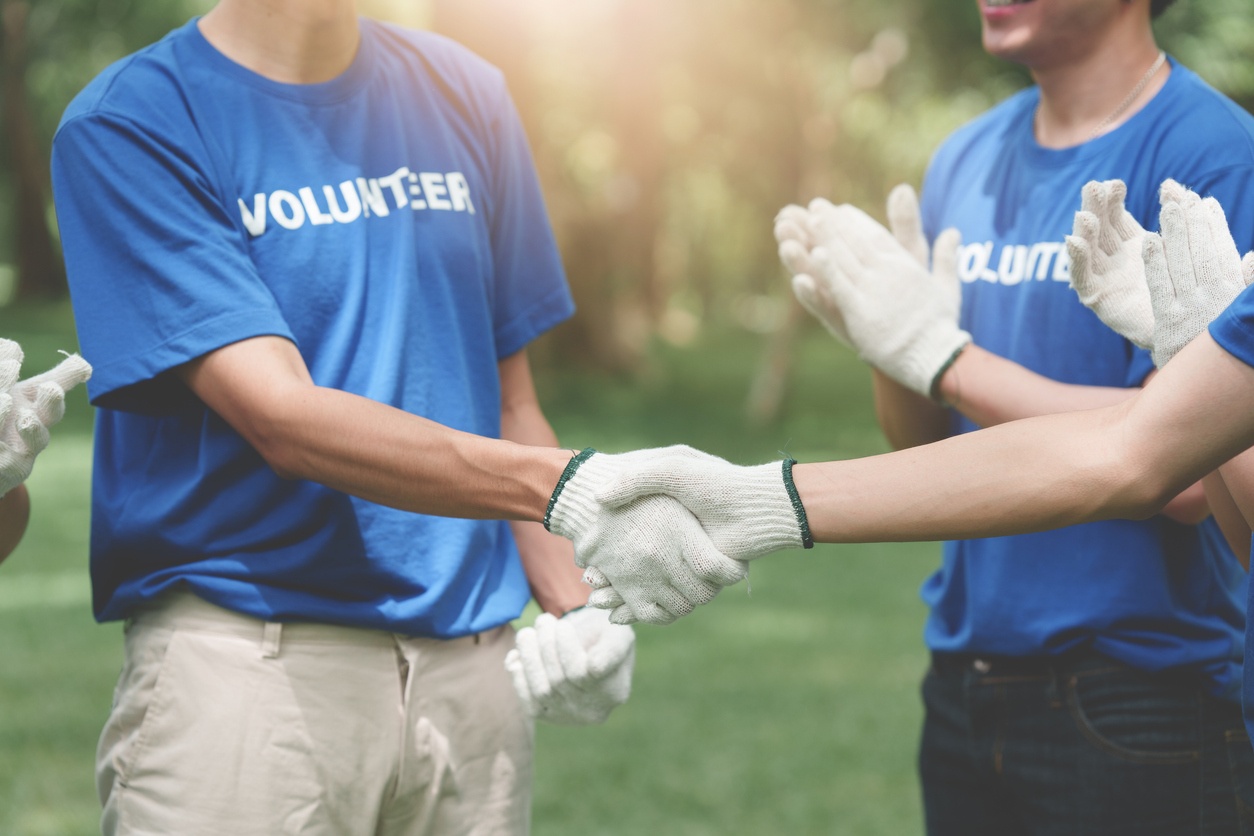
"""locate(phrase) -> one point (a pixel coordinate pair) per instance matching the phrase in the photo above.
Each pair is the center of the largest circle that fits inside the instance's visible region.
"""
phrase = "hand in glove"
(28, 408)
(575, 670)
(1193, 270)
(1107, 271)
(901, 319)
(653, 550)
(792, 232)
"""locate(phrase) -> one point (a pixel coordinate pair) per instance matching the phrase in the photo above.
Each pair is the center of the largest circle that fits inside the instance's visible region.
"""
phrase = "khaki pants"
(224, 724)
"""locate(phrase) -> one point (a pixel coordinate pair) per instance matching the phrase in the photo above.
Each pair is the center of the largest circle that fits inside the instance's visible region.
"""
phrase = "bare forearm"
(906, 417)
(365, 448)
(14, 515)
(1232, 522)
(1126, 460)
(991, 390)
(549, 561)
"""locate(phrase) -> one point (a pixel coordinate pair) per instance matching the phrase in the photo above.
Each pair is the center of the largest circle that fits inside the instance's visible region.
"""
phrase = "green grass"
(789, 705)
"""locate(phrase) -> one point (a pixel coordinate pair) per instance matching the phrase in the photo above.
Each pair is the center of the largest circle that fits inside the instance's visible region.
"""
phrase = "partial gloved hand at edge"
(29, 408)
(575, 670)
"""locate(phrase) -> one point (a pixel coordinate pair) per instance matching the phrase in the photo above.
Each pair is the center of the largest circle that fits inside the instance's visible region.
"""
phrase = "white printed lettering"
(316, 216)
(394, 182)
(287, 210)
(416, 201)
(459, 192)
(371, 197)
(1010, 267)
(1062, 266)
(433, 187)
(254, 221)
(351, 201)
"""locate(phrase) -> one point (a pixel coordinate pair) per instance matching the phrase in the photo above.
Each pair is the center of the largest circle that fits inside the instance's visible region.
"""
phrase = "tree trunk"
(39, 270)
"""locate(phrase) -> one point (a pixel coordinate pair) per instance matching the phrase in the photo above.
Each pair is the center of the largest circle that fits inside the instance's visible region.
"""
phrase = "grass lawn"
(789, 705)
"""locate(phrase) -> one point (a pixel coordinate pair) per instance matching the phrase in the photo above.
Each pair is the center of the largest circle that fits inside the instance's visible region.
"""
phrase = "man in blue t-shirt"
(306, 253)
(1085, 678)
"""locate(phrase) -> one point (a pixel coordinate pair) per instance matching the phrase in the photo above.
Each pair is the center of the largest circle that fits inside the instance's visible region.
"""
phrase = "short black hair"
(1157, 7)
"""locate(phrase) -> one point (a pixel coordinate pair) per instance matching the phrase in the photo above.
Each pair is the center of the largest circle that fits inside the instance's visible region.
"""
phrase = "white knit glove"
(747, 511)
(901, 318)
(653, 550)
(905, 221)
(1107, 271)
(575, 670)
(1193, 270)
(29, 408)
(792, 232)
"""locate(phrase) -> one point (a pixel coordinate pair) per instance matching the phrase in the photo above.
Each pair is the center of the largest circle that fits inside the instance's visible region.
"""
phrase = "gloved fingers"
(10, 370)
(647, 611)
(814, 297)
(790, 228)
(862, 235)
(714, 569)
(606, 598)
(514, 666)
(1117, 218)
(1081, 277)
(595, 578)
(48, 403)
(794, 256)
(67, 374)
(1176, 234)
(615, 648)
(572, 655)
(1093, 196)
(835, 280)
(1171, 192)
(6, 411)
(945, 258)
(1158, 276)
(10, 363)
(906, 223)
(34, 435)
(623, 615)
(562, 680)
(526, 642)
(658, 473)
(1086, 230)
(1247, 273)
(1222, 256)
(796, 215)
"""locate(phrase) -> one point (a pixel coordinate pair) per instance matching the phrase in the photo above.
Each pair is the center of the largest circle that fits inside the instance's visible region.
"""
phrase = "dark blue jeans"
(1077, 746)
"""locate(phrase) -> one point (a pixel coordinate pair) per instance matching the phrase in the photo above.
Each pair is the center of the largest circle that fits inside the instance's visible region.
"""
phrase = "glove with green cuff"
(901, 318)
(652, 549)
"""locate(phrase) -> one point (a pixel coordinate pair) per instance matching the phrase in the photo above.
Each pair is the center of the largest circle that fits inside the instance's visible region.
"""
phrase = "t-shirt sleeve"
(1234, 328)
(159, 274)
(531, 295)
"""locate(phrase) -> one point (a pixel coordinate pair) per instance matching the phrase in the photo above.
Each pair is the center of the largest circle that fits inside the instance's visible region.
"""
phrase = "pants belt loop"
(271, 637)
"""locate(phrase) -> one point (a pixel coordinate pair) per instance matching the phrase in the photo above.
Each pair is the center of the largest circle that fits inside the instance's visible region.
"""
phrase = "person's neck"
(1079, 96)
(290, 41)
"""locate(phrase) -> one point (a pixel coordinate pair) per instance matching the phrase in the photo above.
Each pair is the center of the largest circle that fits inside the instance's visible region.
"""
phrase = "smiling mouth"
(999, 3)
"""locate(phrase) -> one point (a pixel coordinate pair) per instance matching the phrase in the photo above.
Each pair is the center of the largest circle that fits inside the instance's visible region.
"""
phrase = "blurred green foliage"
(669, 132)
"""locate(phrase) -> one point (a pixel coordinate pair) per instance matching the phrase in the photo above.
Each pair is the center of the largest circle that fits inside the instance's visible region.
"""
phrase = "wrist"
(946, 388)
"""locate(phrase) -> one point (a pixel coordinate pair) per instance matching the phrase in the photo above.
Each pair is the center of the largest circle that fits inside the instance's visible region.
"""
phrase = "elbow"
(278, 448)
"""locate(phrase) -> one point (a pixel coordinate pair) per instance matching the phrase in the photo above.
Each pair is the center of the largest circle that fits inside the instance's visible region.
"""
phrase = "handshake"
(659, 532)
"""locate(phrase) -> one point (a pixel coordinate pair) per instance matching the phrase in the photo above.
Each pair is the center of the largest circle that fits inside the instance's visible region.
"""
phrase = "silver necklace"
(1123, 105)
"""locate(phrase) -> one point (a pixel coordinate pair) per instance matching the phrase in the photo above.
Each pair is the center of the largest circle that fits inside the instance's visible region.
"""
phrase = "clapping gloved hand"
(28, 408)
(1124, 275)
(872, 288)
(573, 670)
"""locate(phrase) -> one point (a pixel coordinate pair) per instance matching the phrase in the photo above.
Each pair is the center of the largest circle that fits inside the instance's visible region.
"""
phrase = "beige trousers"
(224, 724)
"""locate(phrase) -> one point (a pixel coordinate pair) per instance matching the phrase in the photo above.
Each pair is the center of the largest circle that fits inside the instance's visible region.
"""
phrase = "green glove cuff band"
(567, 475)
(803, 521)
(934, 389)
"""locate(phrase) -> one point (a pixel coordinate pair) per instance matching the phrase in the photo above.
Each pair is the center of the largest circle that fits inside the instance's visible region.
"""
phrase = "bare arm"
(1232, 522)
(14, 515)
(1125, 460)
(262, 388)
(991, 390)
(549, 560)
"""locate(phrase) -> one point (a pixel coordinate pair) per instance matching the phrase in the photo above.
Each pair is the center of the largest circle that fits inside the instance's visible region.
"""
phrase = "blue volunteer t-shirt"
(1233, 330)
(1154, 594)
(390, 224)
